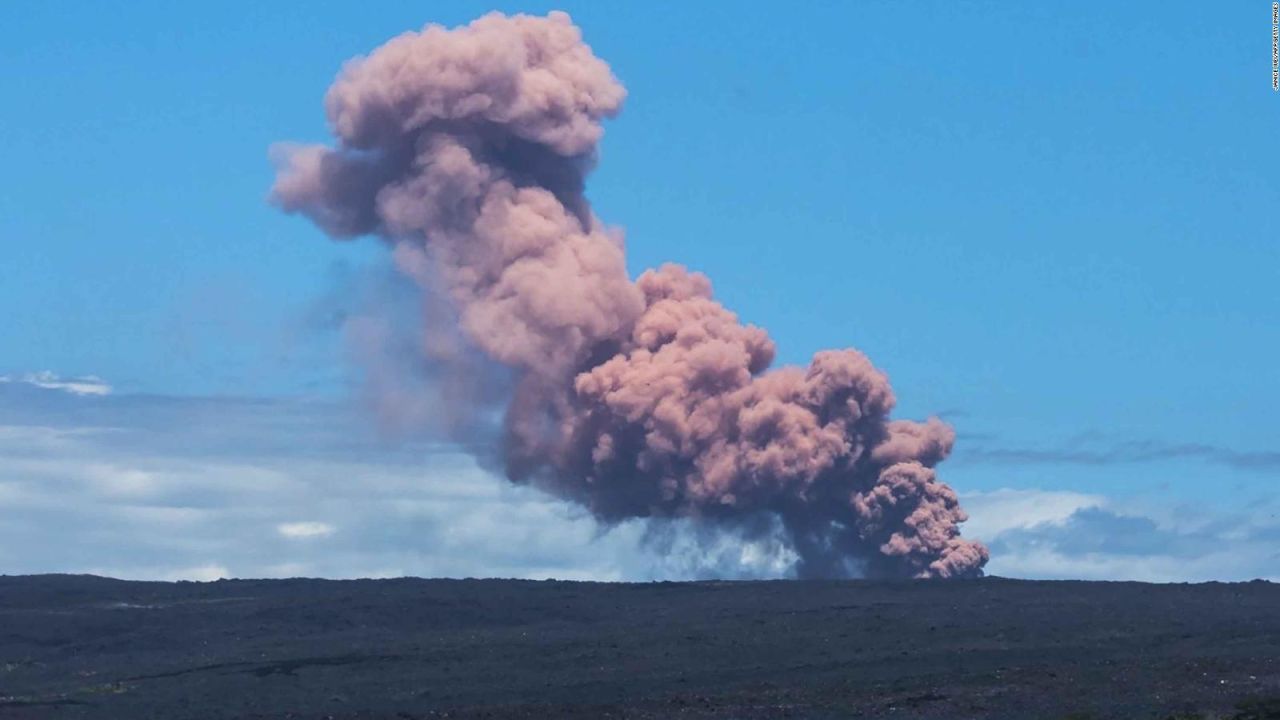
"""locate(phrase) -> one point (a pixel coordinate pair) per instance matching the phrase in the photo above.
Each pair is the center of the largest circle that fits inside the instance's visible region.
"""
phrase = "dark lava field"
(89, 647)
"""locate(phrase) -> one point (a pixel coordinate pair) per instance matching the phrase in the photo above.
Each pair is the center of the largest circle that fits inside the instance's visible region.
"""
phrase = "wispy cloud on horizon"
(1045, 534)
(47, 380)
(160, 487)
(1097, 451)
(305, 530)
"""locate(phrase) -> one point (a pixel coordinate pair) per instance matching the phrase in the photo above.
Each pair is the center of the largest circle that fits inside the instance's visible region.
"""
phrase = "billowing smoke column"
(467, 150)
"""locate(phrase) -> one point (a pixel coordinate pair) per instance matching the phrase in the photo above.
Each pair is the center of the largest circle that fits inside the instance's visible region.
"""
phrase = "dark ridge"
(75, 646)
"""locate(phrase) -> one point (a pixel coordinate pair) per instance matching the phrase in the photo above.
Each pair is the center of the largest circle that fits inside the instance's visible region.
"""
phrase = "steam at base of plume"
(467, 150)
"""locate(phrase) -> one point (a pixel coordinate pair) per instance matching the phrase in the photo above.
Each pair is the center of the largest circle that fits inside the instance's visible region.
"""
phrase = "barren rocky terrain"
(90, 647)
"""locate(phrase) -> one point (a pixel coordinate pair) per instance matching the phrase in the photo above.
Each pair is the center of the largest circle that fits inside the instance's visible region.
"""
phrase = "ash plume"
(467, 151)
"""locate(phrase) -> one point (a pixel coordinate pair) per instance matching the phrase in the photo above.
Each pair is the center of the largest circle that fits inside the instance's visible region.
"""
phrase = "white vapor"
(304, 529)
(86, 385)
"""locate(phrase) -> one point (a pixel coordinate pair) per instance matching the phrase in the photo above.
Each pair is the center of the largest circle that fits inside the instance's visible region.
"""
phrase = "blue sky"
(1057, 227)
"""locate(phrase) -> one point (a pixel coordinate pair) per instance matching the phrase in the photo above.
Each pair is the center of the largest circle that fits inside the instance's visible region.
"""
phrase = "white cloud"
(85, 385)
(201, 573)
(122, 481)
(1045, 562)
(303, 530)
(1066, 535)
(157, 488)
(996, 512)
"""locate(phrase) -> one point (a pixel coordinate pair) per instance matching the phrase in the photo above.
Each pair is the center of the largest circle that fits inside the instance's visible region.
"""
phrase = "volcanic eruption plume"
(467, 150)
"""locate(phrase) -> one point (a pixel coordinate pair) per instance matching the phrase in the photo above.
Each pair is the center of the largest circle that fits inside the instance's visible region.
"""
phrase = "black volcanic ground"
(73, 647)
